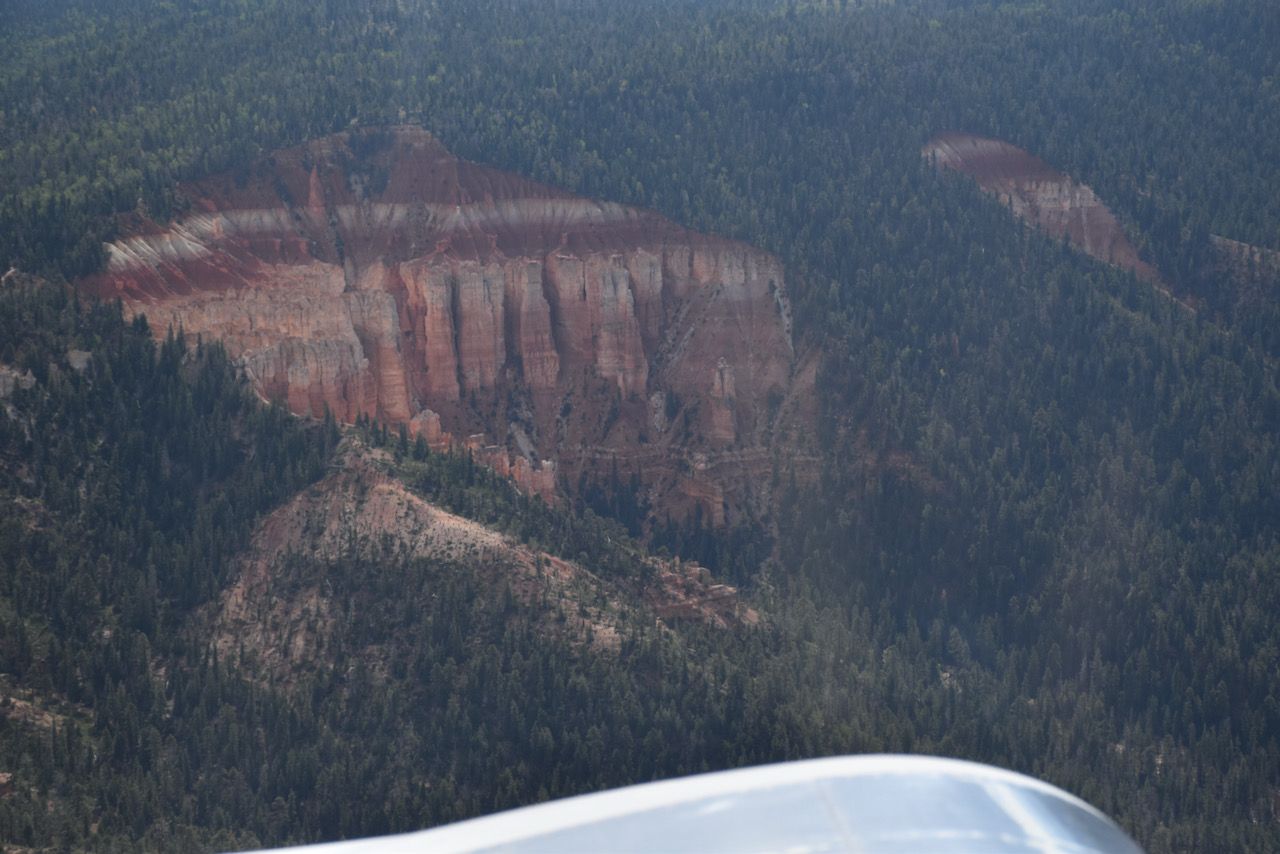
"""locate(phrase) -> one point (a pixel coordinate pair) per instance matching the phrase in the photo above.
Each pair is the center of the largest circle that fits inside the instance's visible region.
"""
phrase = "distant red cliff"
(1044, 197)
(561, 338)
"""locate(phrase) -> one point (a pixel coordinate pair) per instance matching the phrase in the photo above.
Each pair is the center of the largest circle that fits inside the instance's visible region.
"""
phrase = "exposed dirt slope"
(280, 611)
(375, 273)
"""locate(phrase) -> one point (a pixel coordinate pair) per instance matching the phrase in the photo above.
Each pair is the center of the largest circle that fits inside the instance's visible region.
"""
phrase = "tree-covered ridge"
(132, 473)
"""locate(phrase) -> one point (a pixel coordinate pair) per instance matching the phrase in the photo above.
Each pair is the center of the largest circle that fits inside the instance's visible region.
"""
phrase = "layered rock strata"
(1042, 196)
(375, 273)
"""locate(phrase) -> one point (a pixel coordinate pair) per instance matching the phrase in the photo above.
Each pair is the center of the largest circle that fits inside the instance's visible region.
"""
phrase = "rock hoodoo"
(375, 273)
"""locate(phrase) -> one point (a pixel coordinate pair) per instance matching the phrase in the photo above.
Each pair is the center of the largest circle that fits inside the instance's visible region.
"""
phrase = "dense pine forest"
(1046, 531)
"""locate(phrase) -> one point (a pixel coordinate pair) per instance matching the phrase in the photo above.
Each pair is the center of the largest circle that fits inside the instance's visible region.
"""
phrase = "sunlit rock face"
(1044, 197)
(375, 273)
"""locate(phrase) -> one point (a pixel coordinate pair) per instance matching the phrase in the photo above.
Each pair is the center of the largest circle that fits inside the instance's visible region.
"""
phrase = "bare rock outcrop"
(1045, 198)
(375, 273)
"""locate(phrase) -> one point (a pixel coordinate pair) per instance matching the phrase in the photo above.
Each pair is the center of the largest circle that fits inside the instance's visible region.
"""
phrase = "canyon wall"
(564, 340)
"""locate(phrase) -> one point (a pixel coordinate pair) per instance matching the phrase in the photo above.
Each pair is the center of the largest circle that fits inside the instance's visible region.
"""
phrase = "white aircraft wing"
(900, 804)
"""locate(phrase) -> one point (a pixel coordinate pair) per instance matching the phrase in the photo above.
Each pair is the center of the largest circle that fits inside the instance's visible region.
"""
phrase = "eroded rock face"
(1044, 197)
(374, 273)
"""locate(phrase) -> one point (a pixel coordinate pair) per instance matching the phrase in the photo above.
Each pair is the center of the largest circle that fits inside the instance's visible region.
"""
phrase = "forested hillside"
(133, 476)
(1046, 533)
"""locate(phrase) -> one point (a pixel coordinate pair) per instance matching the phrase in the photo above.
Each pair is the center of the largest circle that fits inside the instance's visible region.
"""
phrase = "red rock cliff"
(376, 273)
(1044, 197)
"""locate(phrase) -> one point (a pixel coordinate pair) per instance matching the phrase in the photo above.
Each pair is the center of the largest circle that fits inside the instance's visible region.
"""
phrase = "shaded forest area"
(1074, 573)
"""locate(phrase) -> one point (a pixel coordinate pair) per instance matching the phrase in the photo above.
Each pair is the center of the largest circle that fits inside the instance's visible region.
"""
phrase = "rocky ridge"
(561, 339)
(281, 618)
